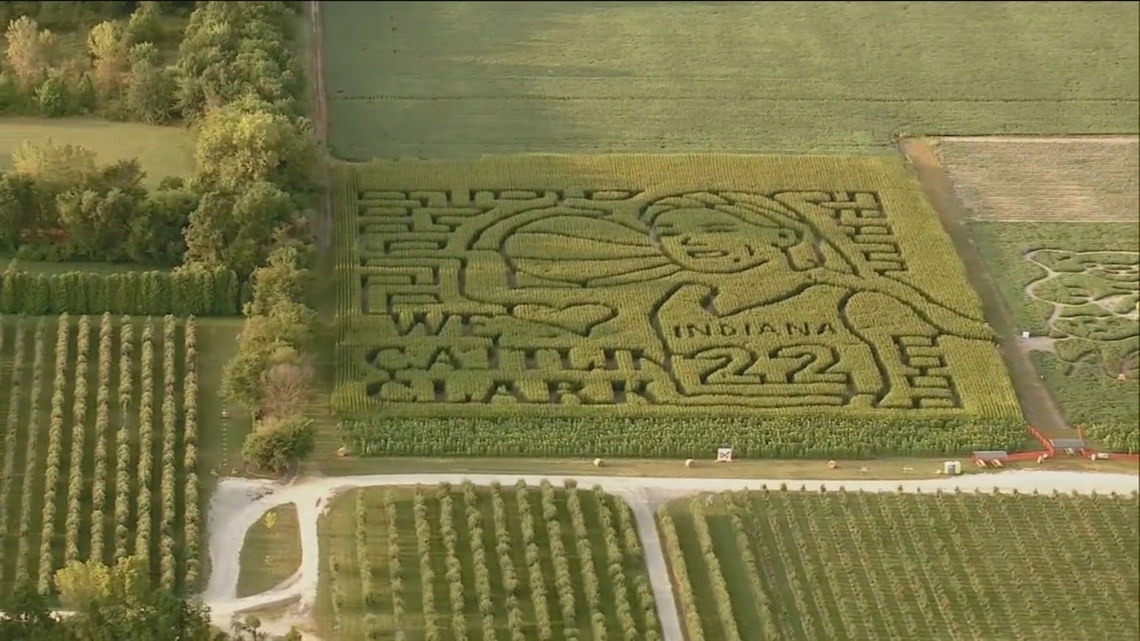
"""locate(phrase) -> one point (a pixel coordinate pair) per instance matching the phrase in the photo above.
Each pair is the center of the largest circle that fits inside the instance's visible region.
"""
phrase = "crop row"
(503, 564)
(835, 564)
(600, 434)
(83, 495)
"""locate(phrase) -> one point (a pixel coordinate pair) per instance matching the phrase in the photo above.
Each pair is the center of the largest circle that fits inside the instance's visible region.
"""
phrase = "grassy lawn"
(846, 565)
(271, 552)
(221, 438)
(460, 551)
(162, 151)
(422, 79)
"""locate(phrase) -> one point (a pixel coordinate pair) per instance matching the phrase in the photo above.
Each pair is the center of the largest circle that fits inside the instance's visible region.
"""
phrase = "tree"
(17, 204)
(155, 234)
(117, 604)
(56, 165)
(277, 444)
(248, 142)
(107, 44)
(285, 383)
(145, 24)
(51, 97)
(96, 223)
(30, 51)
(280, 279)
(231, 231)
(205, 235)
(149, 95)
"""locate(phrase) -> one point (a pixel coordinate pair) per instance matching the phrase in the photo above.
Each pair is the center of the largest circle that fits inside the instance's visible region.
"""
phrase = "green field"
(271, 552)
(814, 304)
(162, 151)
(846, 565)
(1085, 310)
(79, 471)
(467, 562)
(463, 79)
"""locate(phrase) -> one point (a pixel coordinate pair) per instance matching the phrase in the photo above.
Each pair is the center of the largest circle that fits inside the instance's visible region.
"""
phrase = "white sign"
(1025, 334)
(724, 455)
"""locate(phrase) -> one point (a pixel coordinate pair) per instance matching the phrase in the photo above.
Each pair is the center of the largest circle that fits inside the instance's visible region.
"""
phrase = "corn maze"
(796, 287)
(492, 563)
(99, 447)
(781, 564)
(1076, 290)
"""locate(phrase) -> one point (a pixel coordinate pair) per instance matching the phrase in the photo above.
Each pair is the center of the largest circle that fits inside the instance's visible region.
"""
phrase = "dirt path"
(239, 503)
(1037, 404)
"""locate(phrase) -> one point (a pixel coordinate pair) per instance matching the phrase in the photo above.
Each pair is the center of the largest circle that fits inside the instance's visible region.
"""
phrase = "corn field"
(687, 290)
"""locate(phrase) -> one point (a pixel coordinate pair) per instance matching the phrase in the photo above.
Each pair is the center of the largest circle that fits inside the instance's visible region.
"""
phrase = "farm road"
(1037, 404)
(239, 503)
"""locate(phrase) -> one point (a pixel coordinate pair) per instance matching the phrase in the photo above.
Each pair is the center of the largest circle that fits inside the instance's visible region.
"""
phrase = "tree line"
(237, 82)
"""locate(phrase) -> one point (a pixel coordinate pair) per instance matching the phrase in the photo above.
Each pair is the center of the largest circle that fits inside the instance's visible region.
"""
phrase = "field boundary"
(1037, 404)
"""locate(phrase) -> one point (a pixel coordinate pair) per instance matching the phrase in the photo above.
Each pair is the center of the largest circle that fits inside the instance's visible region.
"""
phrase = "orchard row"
(99, 447)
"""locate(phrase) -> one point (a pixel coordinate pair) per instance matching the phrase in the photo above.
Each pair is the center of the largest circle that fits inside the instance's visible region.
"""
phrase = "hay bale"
(597, 462)
(342, 451)
(689, 462)
(831, 465)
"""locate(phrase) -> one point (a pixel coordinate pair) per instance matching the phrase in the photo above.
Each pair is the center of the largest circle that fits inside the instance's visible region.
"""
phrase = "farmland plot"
(714, 293)
(100, 447)
(463, 79)
(850, 565)
(509, 563)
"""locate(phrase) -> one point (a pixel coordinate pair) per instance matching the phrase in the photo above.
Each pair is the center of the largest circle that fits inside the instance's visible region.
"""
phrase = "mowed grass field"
(463, 79)
(780, 564)
(162, 151)
(469, 562)
(80, 477)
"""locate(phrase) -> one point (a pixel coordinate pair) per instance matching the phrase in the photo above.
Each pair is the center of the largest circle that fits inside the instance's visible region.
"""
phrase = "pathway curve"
(239, 503)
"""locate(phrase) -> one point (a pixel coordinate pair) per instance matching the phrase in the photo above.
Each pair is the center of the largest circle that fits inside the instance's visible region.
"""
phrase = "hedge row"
(150, 293)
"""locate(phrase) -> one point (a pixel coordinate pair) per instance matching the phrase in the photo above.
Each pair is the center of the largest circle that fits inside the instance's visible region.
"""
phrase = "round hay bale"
(342, 452)
(831, 465)
(597, 462)
(1040, 459)
(688, 462)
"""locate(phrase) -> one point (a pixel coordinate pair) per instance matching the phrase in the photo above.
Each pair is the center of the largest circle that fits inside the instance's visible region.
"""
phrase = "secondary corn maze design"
(654, 300)
(798, 565)
(1095, 301)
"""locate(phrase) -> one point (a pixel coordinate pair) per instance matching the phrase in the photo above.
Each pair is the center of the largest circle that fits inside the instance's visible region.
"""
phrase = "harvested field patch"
(460, 79)
(851, 565)
(1077, 180)
(783, 306)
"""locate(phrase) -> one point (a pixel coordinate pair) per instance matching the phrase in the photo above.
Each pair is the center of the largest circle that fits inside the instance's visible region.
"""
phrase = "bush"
(275, 445)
